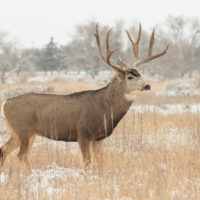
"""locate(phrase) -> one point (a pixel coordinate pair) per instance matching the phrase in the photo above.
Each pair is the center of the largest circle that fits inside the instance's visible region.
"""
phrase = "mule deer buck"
(87, 117)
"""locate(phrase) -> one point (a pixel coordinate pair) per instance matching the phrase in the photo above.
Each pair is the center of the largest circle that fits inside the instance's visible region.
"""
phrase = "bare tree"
(81, 52)
(9, 58)
(7, 61)
(184, 34)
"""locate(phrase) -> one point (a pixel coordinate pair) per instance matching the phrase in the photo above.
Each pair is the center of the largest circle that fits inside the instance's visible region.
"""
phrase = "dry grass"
(149, 156)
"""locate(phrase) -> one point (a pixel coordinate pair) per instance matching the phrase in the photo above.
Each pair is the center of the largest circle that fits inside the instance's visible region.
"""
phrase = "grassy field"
(151, 155)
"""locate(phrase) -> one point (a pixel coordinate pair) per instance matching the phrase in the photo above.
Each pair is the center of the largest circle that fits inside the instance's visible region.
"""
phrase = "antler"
(108, 51)
(135, 48)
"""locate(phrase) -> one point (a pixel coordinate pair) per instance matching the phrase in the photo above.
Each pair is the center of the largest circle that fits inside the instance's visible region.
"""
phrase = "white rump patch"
(2, 109)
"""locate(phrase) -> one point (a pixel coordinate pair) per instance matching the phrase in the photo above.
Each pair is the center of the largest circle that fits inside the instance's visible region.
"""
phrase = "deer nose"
(147, 87)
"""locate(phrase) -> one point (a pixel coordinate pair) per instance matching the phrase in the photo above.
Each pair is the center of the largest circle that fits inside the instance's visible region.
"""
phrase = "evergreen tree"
(50, 58)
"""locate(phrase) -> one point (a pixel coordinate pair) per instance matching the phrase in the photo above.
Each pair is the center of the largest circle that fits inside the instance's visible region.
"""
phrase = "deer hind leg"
(25, 146)
(84, 144)
(7, 148)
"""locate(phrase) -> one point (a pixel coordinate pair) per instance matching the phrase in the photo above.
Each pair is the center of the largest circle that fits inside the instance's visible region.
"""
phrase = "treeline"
(81, 53)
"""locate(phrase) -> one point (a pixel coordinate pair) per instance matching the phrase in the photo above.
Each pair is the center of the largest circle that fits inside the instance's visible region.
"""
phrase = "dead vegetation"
(149, 156)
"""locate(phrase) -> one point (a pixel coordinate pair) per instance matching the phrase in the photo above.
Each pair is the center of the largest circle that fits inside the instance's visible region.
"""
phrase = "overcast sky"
(33, 22)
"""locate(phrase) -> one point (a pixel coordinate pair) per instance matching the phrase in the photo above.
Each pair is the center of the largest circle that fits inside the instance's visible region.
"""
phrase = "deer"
(86, 117)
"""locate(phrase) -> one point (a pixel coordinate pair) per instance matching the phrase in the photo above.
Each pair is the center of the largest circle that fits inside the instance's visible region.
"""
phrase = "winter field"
(154, 152)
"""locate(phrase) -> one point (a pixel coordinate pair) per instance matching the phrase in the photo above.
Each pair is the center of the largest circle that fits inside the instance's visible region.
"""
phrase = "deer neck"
(114, 95)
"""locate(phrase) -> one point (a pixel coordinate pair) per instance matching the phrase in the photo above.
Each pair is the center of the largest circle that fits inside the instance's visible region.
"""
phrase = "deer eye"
(130, 77)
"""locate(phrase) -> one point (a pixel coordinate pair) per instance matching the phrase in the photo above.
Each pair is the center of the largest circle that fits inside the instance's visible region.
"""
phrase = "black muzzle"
(147, 87)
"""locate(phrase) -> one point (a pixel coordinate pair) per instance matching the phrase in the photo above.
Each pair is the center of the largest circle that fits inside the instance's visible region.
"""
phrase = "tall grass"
(149, 156)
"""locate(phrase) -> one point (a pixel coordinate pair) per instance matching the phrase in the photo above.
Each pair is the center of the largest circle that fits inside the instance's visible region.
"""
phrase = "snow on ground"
(50, 179)
(4, 177)
(170, 138)
(167, 109)
(178, 92)
(15, 91)
(47, 179)
(54, 181)
(39, 79)
(186, 86)
(173, 137)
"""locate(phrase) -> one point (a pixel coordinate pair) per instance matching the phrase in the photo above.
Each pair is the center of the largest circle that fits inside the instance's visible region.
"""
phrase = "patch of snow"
(103, 77)
(39, 79)
(126, 198)
(177, 136)
(3, 177)
(151, 192)
(77, 74)
(15, 91)
(174, 193)
(163, 166)
(9, 93)
(167, 109)
(49, 177)
(174, 93)
(187, 86)
(41, 89)
(173, 137)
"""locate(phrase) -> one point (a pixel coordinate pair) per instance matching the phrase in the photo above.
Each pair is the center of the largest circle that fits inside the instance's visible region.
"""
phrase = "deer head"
(129, 78)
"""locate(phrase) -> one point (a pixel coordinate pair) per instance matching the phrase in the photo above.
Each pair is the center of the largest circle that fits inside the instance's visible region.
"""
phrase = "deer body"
(58, 116)
(86, 117)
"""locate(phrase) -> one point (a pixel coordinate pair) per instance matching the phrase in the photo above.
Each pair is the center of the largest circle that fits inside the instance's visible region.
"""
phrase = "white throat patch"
(130, 97)
(2, 110)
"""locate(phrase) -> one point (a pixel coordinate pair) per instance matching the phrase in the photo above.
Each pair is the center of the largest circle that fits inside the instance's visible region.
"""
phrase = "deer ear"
(119, 74)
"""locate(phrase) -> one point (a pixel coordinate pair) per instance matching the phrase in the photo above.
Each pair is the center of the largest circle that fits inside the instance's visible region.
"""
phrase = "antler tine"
(107, 40)
(135, 44)
(108, 51)
(151, 42)
(150, 56)
(121, 62)
(98, 42)
(139, 33)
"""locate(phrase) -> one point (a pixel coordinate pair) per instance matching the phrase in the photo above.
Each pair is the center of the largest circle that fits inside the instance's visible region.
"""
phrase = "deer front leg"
(84, 143)
(98, 156)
